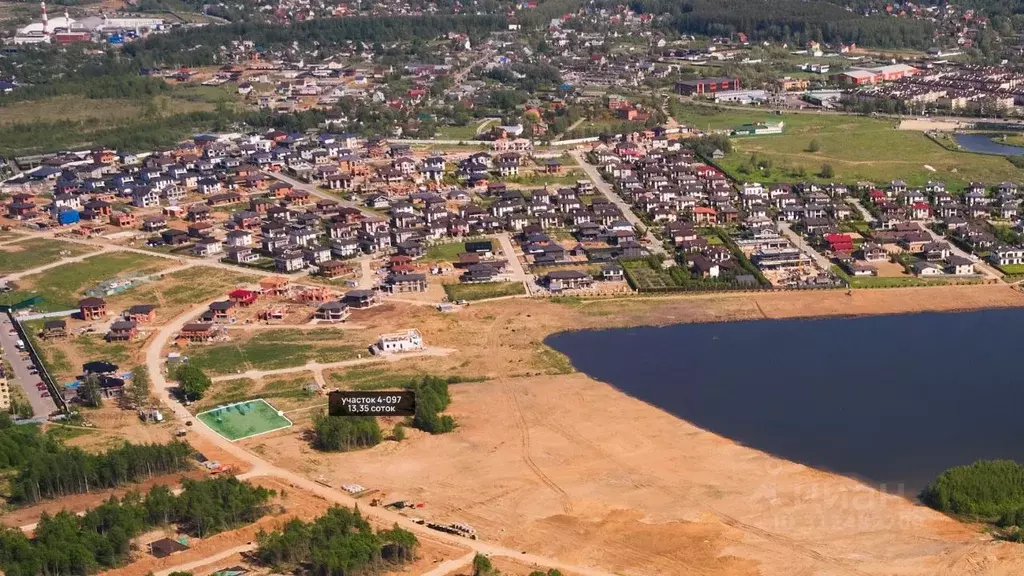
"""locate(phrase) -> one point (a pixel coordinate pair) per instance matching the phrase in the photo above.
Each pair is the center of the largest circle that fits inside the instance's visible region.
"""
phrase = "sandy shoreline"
(559, 464)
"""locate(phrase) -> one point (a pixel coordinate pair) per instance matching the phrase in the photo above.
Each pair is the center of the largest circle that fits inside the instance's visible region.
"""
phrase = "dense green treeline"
(119, 86)
(101, 538)
(150, 132)
(199, 46)
(986, 490)
(20, 444)
(53, 472)
(339, 543)
(794, 21)
(343, 433)
(432, 398)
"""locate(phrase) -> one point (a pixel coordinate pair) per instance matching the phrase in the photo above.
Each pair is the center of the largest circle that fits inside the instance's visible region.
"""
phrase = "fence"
(51, 386)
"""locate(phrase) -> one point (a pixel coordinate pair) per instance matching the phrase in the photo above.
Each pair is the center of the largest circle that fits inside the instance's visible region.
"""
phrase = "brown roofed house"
(141, 313)
(92, 308)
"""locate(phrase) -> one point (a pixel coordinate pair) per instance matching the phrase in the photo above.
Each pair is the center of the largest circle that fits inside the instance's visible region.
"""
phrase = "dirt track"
(570, 468)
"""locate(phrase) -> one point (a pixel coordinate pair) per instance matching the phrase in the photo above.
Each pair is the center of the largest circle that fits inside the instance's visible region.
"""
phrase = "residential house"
(92, 308)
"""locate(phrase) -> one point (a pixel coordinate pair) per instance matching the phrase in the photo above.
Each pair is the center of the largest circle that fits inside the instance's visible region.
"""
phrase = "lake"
(884, 399)
(984, 144)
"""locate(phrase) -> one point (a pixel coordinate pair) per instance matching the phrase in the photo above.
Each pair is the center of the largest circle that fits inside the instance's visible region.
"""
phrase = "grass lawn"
(483, 291)
(467, 132)
(54, 359)
(274, 350)
(859, 226)
(447, 252)
(905, 281)
(285, 389)
(1012, 269)
(62, 287)
(244, 420)
(1012, 140)
(898, 281)
(372, 377)
(181, 289)
(857, 147)
(539, 179)
(35, 252)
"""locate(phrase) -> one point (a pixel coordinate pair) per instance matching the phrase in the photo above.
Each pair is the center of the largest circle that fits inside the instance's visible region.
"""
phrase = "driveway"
(314, 191)
(980, 265)
(40, 406)
(855, 202)
(796, 239)
(515, 267)
(606, 189)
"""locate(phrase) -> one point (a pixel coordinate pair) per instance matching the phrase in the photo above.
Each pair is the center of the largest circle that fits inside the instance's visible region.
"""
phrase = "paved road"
(314, 191)
(855, 202)
(979, 265)
(21, 377)
(606, 189)
(820, 259)
(162, 386)
(367, 279)
(515, 266)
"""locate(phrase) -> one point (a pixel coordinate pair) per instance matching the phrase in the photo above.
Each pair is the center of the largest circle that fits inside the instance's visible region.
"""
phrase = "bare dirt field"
(552, 462)
(933, 125)
(564, 466)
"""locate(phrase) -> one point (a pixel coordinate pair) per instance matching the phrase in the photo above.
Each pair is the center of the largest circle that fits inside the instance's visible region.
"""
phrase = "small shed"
(165, 547)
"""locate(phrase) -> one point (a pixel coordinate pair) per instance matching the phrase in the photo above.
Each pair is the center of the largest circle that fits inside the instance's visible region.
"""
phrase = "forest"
(340, 542)
(337, 433)
(794, 21)
(114, 86)
(200, 46)
(101, 538)
(432, 398)
(343, 433)
(987, 490)
(43, 468)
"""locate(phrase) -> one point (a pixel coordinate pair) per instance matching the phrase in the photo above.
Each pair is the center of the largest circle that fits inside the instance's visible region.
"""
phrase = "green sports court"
(244, 419)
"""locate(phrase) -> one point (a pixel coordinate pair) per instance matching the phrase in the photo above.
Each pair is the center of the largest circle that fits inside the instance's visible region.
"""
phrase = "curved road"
(261, 467)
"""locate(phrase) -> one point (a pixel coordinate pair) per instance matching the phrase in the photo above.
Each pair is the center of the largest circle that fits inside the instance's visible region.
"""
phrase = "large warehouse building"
(707, 86)
(91, 27)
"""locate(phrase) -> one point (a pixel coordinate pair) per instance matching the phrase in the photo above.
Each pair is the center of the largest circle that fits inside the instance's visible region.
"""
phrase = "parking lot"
(24, 373)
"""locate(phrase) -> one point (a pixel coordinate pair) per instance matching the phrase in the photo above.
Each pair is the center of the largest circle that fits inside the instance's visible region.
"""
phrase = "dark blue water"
(984, 144)
(884, 399)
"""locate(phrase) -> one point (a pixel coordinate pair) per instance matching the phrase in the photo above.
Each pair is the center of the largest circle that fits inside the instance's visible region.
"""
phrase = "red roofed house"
(705, 215)
(243, 297)
(920, 210)
(840, 242)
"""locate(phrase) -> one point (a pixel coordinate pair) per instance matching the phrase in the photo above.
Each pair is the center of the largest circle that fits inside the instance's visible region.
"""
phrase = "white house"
(402, 341)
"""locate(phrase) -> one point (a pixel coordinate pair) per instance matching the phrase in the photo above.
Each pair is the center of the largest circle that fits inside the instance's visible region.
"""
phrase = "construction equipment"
(456, 528)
